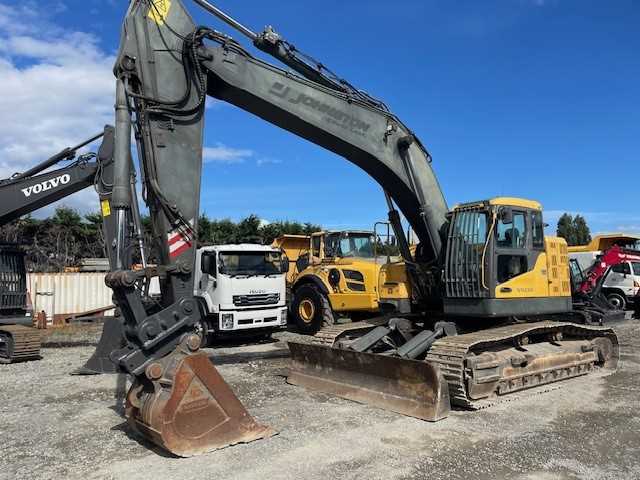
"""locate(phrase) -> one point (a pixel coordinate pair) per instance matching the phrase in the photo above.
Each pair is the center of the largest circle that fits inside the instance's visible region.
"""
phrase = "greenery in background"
(65, 238)
(573, 229)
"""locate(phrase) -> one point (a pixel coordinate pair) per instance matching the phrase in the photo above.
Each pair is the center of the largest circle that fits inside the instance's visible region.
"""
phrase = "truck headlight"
(283, 317)
(226, 321)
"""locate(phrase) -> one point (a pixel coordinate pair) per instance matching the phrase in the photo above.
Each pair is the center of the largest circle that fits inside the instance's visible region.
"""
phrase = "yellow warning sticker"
(159, 10)
(106, 208)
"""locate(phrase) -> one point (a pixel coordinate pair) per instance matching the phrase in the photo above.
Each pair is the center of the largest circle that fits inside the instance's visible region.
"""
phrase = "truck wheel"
(201, 330)
(617, 301)
(311, 309)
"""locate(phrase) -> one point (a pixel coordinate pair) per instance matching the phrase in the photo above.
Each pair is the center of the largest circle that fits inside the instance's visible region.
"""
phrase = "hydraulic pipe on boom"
(65, 154)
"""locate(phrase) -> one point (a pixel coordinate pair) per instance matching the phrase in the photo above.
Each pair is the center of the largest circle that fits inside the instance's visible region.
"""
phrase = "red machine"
(614, 256)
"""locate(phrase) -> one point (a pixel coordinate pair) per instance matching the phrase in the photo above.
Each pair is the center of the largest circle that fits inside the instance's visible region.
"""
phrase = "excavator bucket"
(112, 338)
(409, 387)
(188, 409)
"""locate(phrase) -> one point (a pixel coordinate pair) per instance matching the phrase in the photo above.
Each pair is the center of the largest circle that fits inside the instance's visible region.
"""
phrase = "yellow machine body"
(500, 263)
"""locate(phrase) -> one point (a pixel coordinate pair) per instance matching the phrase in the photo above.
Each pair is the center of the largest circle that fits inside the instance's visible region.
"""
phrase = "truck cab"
(242, 288)
(622, 284)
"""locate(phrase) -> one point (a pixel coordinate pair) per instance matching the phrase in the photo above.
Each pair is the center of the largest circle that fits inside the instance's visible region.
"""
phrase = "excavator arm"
(165, 69)
(26, 192)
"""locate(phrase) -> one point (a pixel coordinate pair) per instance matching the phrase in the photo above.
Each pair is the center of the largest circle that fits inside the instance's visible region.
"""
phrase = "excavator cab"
(499, 263)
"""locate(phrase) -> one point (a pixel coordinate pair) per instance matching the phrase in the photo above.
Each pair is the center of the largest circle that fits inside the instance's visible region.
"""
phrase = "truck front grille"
(255, 300)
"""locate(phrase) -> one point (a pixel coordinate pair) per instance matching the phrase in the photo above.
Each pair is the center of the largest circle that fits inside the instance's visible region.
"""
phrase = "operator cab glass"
(349, 244)
(511, 242)
(491, 243)
(250, 263)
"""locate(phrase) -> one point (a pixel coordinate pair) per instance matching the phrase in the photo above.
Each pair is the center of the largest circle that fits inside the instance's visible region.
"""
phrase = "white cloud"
(224, 154)
(267, 161)
(57, 90)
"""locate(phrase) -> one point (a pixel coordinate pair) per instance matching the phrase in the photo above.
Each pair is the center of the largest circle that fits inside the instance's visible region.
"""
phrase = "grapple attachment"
(185, 406)
(410, 387)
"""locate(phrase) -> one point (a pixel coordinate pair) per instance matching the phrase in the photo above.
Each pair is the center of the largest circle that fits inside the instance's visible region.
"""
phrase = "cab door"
(635, 274)
(620, 277)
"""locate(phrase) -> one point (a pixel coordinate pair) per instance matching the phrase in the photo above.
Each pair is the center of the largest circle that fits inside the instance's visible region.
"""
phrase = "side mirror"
(506, 215)
(284, 264)
(208, 263)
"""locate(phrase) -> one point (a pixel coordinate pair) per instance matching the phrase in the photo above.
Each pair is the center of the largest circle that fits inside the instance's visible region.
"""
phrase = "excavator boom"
(165, 68)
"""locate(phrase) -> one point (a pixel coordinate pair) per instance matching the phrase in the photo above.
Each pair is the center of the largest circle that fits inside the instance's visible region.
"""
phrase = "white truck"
(242, 289)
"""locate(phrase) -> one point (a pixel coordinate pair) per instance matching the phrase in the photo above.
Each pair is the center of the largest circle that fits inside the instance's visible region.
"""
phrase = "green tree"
(205, 231)
(248, 230)
(573, 229)
(581, 229)
(223, 231)
(565, 228)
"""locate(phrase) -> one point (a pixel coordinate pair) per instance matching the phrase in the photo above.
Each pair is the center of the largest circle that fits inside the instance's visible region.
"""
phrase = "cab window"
(636, 268)
(315, 245)
(622, 268)
(538, 230)
(512, 235)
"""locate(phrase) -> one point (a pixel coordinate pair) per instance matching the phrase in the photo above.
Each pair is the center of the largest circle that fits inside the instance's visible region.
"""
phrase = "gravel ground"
(54, 425)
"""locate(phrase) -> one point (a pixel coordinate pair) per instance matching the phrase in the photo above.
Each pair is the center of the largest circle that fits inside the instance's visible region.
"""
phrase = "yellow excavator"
(490, 311)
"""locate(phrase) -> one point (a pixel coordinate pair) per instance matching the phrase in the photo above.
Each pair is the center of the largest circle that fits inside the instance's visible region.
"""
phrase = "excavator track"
(19, 343)
(452, 355)
(328, 336)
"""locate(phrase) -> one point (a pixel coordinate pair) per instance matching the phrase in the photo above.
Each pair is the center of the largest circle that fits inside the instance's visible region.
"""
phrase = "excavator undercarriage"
(422, 373)
(19, 343)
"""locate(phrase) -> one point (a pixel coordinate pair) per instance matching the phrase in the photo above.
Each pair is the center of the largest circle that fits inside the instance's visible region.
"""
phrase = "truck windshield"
(348, 244)
(250, 263)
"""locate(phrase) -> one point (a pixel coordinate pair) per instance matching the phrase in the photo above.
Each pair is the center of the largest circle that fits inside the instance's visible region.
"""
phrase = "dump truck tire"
(311, 309)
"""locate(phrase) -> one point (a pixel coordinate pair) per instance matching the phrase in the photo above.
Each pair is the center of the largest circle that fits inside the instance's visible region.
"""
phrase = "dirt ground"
(53, 425)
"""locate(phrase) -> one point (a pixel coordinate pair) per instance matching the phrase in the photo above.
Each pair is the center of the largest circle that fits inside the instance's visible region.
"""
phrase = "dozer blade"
(112, 338)
(409, 387)
(187, 408)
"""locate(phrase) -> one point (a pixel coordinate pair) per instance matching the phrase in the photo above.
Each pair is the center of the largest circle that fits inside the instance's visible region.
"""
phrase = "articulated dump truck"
(489, 297)
(342, 274)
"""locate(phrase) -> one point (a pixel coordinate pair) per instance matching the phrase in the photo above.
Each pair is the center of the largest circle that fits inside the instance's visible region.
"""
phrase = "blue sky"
(538, 99)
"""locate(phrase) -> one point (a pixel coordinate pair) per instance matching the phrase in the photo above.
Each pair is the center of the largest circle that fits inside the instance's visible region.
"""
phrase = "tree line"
(66, 237)
(573, 229)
